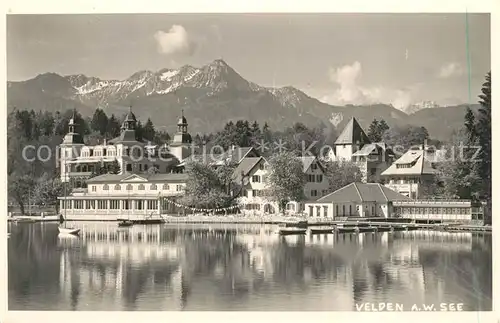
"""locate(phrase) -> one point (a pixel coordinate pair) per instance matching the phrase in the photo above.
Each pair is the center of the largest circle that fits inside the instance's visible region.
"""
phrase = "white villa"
(250, 177)
(353, 145)
(78, 160)
(412, 172)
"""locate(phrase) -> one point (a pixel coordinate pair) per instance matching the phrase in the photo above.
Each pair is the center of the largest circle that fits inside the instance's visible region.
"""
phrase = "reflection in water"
(230, 267)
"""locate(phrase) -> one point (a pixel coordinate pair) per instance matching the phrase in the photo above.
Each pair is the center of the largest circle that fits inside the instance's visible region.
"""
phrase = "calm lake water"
(242, 267)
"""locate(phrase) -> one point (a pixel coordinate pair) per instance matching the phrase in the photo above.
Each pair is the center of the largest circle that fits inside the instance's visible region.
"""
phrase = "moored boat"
(345, 229)
(125, 223)
(288, 231)
(73, 231)
(24, 220)
(321, 230)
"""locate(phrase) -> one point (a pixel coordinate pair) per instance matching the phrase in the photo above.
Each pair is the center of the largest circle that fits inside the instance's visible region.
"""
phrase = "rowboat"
(125, 223)
(73, 231)
(321, 230)
(288, 231)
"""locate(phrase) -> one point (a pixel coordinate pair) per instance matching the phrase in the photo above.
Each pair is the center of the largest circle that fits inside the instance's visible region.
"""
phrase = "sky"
(340, 58)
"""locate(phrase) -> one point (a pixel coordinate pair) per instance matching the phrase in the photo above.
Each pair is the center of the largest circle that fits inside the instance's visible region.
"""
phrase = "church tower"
(181, 144)
(70, 148)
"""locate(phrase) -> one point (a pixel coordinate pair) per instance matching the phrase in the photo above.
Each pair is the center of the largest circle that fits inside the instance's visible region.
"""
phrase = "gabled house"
(250, 181)
(412, 172)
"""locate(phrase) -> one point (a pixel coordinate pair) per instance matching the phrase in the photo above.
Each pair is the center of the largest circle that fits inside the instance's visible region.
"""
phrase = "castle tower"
(70, 148)
(181, 144)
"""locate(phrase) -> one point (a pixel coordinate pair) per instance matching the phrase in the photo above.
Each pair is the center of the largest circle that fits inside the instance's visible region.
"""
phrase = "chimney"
(104, 142)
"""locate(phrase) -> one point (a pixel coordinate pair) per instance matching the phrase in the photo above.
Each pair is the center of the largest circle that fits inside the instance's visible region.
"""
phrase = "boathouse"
(128, 195)
(356, 200)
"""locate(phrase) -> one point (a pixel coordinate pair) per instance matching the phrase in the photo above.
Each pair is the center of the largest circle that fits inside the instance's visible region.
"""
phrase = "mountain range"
(210, 96)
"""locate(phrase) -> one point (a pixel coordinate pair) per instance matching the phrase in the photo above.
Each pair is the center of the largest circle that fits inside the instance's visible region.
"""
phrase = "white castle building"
(78, 161)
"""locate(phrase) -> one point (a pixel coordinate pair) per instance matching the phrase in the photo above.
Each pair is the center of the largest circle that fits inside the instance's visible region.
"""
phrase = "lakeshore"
(377, 223)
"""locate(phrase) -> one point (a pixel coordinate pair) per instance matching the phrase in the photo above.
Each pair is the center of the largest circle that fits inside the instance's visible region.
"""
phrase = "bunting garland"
(229, 208)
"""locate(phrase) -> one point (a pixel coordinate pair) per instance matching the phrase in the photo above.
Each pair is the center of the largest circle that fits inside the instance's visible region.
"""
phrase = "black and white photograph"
(249, 162)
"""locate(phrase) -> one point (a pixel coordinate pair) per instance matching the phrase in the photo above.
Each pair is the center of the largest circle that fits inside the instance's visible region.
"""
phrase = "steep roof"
(245, 167)
(363, 192)
(352, 134)
(308, 160)
(417, 162)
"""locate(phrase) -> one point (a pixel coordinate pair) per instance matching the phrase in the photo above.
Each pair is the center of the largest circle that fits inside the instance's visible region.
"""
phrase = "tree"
(205, 186)
(99, 121)
(342, 173)
(113, 127)
(20, 187)
(286, 179)
(47, 189)
(161, 137)
(460, 173)
(484, 134)
(148, 131)
(113, 167)
(377, 130)
(405, 136)
(47, 123)
(139, 131)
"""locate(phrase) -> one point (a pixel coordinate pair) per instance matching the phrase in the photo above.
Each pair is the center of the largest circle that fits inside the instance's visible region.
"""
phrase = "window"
(78, 204)
(178, 188)
(101, 204)
(262, 166)
(145, 166)
(129, 167)
(140, 167)
(166, 187)
(114, 204)
(319, 178)
(343, 209)
(139, 204)
(350, 209)
(314, 166)
(325, 211)
(254, 193)
(256, 178)
(117, 187)
(90, 204)
(105, 187)
(153, 187)
(94, 188)
(152, 204)
(126, 204)
(314, 193)
(129, 187)
(141, 187)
